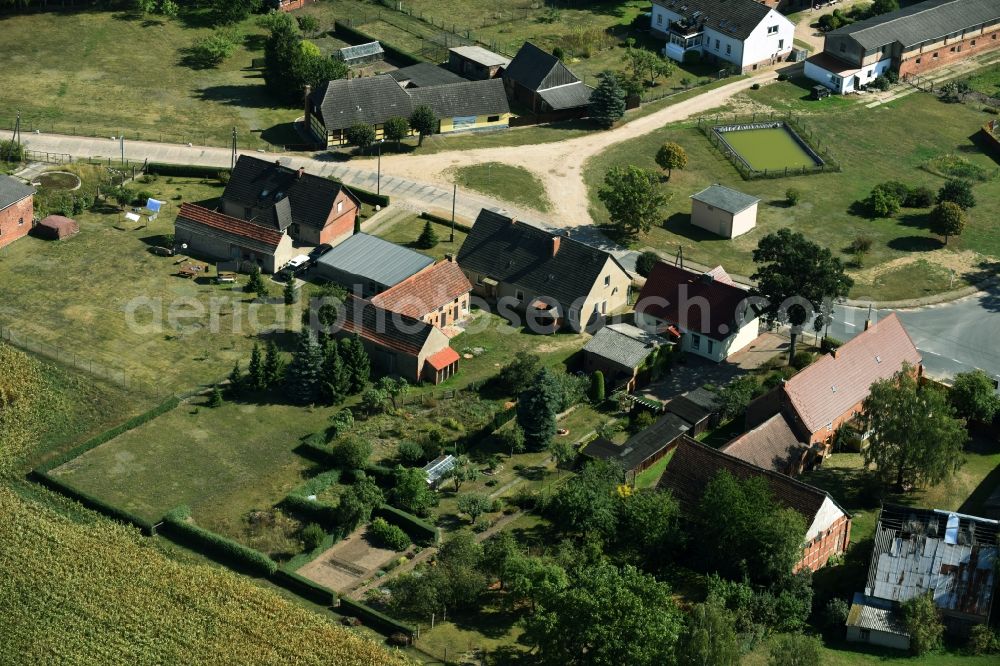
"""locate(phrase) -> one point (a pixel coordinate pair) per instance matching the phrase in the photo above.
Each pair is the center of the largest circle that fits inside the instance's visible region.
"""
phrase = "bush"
(419, 530)
(390, 535)
(312, 536)
(802, 360)
(834, 616)
(644, 263)
(792, 196)
(829, 344)
(372, 617)
(212, 51)
(410, 453)
(597, 387)
(304, 587)
(641, 421)
(919, 197)
(755, 86)
(923, 622)
(982, 640)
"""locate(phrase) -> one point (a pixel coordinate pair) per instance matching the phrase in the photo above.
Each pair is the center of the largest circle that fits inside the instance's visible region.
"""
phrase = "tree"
(974, 397)
(234, 11)
(359, 368)
(255, 370)
(633, 199)
(255, 283)
(644, 263)
(396, 129)
(947, 219)
(536, 410)
(290, 294)
(374, 400)
(352, 453)
(795, 650)
(923, 623)
(735, 397)
(357, 503)
(959, 191)
(283, 59)
(410, 453)
(562, 451)
(709, 638)
(883, 203)
(305, 373)
(671, 156)
(461, 472)
(743, 531)
(919, 197)
(396, 388)
(587, 503)
(607, 102)
(424, 122)
(474, 505)
(884, 7)
(215, 397)
(512, 439)
(336, 379)
(361, 135)
(914, 437)
(410, 491)
(428, 237)
(144, 6)
(308, 24)
(605, 613)
(272, 365)
(794, 276)
(499, 551)
(597, 387)
(518, 375)
(309, 49)
(530, 579)
(649, 525)
(236, 378)
(647, 64)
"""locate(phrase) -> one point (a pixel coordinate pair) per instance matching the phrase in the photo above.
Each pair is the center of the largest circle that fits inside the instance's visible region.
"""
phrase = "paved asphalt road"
(952, 337)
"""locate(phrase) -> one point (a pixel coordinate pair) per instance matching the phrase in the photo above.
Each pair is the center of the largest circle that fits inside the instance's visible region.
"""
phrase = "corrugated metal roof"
(360, 51)
(874, 614)
(725, 198)
(570, 96)
(922, 22)
(624, 344)
(480, 55)
(374, 259)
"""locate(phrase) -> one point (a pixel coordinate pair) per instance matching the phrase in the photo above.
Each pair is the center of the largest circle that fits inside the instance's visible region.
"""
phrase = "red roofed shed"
(57, 227)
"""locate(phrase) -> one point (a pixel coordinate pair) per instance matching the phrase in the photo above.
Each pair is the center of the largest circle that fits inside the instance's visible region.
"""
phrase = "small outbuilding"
(621, 352)
(437, 469)
(57, 227)
(476, 63)
(361, 54)
(724, 211)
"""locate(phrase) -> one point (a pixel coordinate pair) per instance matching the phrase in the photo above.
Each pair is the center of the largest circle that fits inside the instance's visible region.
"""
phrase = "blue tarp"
(154, 205)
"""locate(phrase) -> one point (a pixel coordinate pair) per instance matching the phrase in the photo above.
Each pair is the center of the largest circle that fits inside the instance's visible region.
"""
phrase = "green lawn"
(842, 653)
(649, 477)
(504, 182)
(872, 145)
(105, 73)
(180, 333)
(986, 81)
(407, 230)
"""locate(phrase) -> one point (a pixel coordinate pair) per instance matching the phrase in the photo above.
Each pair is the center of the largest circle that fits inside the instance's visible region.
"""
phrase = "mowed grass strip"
(889, 142)
(507, 183)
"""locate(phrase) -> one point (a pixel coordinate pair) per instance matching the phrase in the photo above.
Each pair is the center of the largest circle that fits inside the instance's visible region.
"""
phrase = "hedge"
(92, 502)
(315, 452)
(304, 587)
(170, 403)
(437, 219)
(830, 344)
(419, 530)
(184, 170)
(347, 33)
(366, 196)
(317, 484)
(373, 617)
(218, 547)
(316, 512)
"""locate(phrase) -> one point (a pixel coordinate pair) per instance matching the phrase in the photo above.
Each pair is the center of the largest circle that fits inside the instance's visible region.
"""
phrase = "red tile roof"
(210, 218)
(443, 358)
(669, 287)
(694, 465)
(426, 291)
(833, 385)
(771, 445)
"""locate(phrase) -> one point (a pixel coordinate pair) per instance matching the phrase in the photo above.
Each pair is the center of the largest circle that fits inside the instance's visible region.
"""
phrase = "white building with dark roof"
(724, 211)
(744, 34)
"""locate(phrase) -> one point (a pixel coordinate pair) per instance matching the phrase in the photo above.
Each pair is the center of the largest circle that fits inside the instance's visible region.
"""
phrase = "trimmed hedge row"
(304, 587)
(419, 530)
(374, 618)
(317, 484)
(170, 403)
(218, 547)
(92, 502)
(184, 170)
(347, 33)
(437, 219)
(315, 512)
(366, 196)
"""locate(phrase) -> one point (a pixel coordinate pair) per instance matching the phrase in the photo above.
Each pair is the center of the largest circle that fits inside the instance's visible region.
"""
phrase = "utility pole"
(454, 197)
(232, 161)
(121, 143)
(17, 132)
(378, 173)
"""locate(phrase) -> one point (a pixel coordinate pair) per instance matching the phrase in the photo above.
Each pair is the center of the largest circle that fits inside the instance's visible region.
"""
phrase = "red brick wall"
(291, 5)
(15, 221)
(339, 225)
(831, 542)
(948, 53)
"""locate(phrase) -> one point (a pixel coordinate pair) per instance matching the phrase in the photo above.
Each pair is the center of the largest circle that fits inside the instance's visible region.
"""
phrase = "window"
(918, 61)
(935, 55)
(607, 280)
(518, 294)
(772, 30)
(479, 280)
(869, 73)
(574, 314)
(493, 119)
(695, 341)
(781, 44)
(865, 634)
(972, 43)
(717, 45)
(604, 307)
(248, 213)
(659, 19)
(340, 206)
(711, 346)
(729, 49)
(20, 221)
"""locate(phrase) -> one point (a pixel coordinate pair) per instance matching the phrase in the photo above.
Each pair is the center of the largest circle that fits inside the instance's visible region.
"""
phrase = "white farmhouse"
(744, 33)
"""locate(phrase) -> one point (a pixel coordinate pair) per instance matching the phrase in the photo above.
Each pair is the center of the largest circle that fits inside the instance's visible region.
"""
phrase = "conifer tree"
(305, 373)
(272, 366)
(255, 371)
(336, 378)
(428, 238)
(357, 363)
(236, 379)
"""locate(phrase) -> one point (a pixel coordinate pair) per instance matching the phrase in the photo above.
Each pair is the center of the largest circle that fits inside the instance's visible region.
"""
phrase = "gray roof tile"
(922, 22)
(425, 74)
(570, 96)
(730, 17)
(13, 190)
(624, 344)
(372, 258)
(468, 98)
(536, 69)
(726, 198)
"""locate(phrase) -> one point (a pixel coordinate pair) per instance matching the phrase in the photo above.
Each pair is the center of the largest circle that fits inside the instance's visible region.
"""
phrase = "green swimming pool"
(772, 148)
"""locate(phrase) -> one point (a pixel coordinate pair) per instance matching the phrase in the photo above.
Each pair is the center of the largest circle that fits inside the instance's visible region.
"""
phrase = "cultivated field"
(889, 142)
(348, 562)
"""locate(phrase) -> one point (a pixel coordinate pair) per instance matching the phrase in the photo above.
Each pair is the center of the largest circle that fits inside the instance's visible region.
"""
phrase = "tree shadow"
(915, 244)
(986, 270)
(860, 209)
(916, 220)
(283, 134)
(253, 96)
(254, 42)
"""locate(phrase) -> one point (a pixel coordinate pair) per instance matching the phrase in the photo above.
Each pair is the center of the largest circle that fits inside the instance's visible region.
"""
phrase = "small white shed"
(724, 211)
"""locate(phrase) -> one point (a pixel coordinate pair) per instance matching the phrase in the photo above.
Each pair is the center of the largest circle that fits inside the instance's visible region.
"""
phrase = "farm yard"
(907, 140)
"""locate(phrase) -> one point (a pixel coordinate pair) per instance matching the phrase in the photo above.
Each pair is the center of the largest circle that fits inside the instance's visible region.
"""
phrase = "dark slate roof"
(369, 99)
(424, 75)
(725, 198)
(624, 344)
(281, 194)
(771, 445)
(640, 446)
(730, 17)
(387, 329)
(926, 21)
(467, 98)
(668, 287)
(374, 259)
(570, 96)
(694, 406)
(12, 190)
(601, 449)
(536, 69)
(694, 465)
(520, 254)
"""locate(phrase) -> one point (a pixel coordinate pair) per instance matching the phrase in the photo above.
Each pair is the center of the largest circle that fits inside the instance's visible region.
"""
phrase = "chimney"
(302, 170)
(555, 245)
(868, 324)
(305, 102)
(450, 257)
(277, 163)
(833, 352)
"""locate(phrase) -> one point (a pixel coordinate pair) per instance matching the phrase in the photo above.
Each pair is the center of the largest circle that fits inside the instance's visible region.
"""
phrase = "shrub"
(983, 640)
(559, 53)
(217, 546)
(923, 623)
(212, 51)
(312, 536)
(644, 263)
(597, 386)
(919, 197)
(792, 196)
(642, 420)
(835, 615)
(410, 453)
(390, 535)
(959, 191)
(755, 86)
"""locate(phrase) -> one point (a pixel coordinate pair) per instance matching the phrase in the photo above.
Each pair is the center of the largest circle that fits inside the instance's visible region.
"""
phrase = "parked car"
(820, 92)
(295, 265)
(319, 251)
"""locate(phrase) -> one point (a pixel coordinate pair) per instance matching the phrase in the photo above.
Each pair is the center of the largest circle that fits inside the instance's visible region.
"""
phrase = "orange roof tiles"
(442, 359)
(425, 291)
(210, 218)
